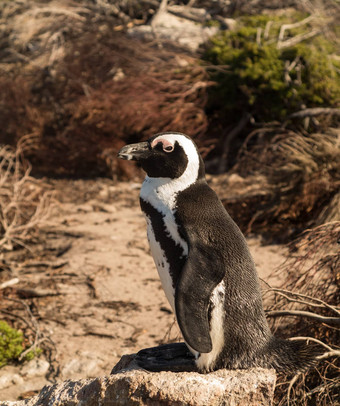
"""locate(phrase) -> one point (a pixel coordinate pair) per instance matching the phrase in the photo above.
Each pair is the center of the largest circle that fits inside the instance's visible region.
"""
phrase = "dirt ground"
(92, 287)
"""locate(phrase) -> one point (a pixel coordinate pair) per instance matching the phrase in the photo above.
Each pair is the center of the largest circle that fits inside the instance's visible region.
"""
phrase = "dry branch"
(73, 12)
(319, 24)
(285, 27)
(315, 340)
(302, 180)
(298, 38)
(229, 138)
(289, 295)
(24, 205)
(316, 111)
(298, 313)
(311, 281)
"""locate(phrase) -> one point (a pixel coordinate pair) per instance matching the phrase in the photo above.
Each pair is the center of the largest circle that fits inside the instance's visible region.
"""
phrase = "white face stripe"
(165, 190)
(165, 142)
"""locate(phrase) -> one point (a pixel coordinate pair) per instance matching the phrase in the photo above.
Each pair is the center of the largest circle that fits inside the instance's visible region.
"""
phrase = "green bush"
(11, 345)
(256, 78)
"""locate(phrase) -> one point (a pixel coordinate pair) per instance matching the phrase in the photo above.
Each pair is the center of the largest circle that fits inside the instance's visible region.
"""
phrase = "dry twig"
(24, 205)
(299, 313)
(316, 111)
(312, 293)
(302, 179)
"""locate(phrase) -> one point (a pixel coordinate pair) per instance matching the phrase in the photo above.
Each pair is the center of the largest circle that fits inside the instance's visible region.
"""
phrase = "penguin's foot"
(173, 357)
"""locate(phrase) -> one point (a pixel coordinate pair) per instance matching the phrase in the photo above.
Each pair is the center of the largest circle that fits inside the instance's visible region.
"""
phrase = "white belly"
(162, 265)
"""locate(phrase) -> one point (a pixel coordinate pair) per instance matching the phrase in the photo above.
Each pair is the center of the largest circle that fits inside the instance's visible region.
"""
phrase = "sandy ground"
(96, 292)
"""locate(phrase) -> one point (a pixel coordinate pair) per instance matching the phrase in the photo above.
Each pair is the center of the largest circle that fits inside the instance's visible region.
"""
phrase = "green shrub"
(11, 345)
(256, 78)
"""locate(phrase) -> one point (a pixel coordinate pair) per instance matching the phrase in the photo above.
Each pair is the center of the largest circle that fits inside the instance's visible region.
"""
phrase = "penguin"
(205, 267)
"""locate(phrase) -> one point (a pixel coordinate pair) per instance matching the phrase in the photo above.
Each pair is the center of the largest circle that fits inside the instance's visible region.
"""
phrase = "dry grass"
(84, 89)
(24, 204)
(302, 179)
(310, 300)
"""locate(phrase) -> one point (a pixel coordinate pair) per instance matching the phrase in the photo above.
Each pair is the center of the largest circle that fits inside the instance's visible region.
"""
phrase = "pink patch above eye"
(165, 142)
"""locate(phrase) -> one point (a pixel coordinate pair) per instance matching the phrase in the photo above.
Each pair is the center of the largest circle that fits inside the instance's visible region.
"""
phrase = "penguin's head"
(165, 155)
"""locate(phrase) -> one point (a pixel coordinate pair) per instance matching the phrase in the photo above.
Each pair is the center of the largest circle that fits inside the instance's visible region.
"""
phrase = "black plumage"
(206, 268)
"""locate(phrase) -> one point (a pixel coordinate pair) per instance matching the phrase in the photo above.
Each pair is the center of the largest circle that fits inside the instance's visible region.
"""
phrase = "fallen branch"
(334, 353)
(33, 324)
(61, 11)
(299, 313)
(31, 293)
(316, 111)
(14, 316)
(315, 340)
(9, 283)
(291, 383)
(188, 13)
(96, 334)
(32, 348)
(320, 303)
(324, 387)
(267, 30)
(298, 38)
(45, 264)
(228, 140)
(285, 27)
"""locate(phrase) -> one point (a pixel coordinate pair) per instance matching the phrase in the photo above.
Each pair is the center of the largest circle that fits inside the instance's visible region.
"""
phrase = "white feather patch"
(162, 265)
(161, 194)
(206, 361)
(163, 191)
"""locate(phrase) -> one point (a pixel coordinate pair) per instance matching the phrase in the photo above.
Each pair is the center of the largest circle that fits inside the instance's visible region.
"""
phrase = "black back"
(217, 251)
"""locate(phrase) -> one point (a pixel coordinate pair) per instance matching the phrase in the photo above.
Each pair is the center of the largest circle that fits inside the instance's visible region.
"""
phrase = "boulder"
(130, 385)
(168, 27)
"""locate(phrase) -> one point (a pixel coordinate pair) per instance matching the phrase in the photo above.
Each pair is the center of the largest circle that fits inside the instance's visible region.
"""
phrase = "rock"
(134, 386)
(199, 15)
(36, 367)
(169, 27)
(84, 364)
(10, 379)
(227, 23)
(230, 23)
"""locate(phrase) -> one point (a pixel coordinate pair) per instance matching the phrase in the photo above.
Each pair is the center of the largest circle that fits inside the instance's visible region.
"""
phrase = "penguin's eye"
(168, 148)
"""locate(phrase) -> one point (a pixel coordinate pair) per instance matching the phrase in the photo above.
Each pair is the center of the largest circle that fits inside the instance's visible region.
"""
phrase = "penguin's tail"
(293, 356)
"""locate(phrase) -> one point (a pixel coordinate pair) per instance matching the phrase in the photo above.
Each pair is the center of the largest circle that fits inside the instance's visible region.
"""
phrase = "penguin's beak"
(134, 152)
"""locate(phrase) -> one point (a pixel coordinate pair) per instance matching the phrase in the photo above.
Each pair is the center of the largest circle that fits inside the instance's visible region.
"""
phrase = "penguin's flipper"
(192, 298)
